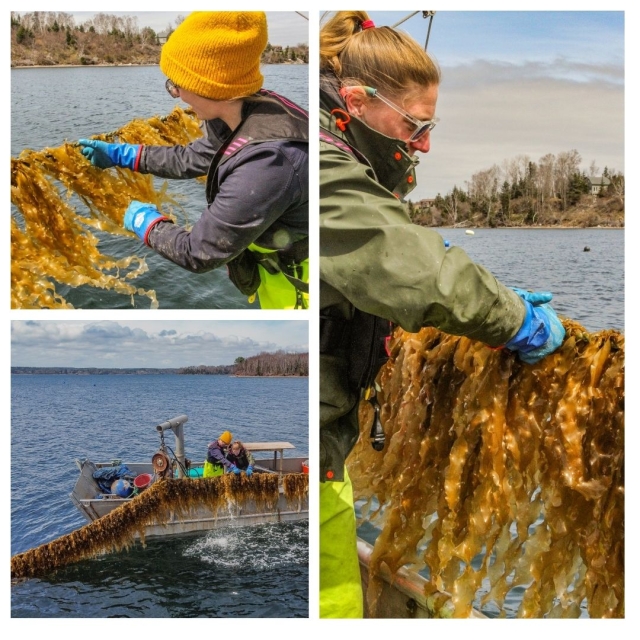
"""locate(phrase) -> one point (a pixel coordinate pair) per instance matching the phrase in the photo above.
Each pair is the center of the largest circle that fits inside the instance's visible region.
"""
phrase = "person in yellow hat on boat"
(255, 154)
(217, 463)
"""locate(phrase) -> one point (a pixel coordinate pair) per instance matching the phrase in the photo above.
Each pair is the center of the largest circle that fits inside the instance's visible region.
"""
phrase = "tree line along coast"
(52, 38)
(277, 365)
(553, 192)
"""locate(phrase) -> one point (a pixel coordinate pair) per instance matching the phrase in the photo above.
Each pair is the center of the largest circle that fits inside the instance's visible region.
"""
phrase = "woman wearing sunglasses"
(254, 154)
(378, 94)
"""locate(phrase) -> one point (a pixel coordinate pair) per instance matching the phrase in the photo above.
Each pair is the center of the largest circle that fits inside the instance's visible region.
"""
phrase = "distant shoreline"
(71, 371)
(80, 66)
(128, 64)
(531, 227)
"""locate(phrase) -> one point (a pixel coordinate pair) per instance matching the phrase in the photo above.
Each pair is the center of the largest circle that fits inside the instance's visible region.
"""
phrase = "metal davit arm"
(176, 425)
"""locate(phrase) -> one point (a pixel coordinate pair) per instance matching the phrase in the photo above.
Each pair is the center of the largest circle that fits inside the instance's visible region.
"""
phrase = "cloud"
(108, 331)
(119, 344)
(492, 112)
(482, 71)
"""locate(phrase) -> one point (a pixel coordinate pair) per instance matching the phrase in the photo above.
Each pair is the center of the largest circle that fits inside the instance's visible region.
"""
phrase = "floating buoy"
(122, 488)
(469, 232)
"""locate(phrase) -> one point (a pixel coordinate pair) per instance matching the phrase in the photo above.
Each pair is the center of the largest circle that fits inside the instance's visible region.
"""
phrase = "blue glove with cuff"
(541, 332)
(534, 297)
(235, 469)
(249, 470)
(140, 217)
(106, 154)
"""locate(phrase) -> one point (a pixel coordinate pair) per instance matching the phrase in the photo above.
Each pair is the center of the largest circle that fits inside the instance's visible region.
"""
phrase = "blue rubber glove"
(235, 469)
(140, 217)
(249, 470)
(105, 154)
(541, 332)
(534, 297)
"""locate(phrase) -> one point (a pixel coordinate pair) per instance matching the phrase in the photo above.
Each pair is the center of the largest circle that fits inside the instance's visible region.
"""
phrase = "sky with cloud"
(152, 343)
(520, 83)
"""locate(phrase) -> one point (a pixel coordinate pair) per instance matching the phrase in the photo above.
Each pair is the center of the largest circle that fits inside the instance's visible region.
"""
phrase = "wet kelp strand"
(62, 201)
(499, 475)
(295, 487)
(163, 501)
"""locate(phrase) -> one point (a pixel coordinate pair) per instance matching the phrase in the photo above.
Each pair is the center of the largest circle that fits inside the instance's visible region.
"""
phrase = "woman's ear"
(355, 100)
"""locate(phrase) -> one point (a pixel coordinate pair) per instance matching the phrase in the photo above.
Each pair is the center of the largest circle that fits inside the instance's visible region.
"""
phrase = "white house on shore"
(598, 184)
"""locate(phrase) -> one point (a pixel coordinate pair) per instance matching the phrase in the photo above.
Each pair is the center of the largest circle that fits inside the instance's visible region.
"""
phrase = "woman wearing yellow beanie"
(254, 154)
(217, 463)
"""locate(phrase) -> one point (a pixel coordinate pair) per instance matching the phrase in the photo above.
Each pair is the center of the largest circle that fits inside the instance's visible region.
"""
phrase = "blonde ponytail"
(381, 57)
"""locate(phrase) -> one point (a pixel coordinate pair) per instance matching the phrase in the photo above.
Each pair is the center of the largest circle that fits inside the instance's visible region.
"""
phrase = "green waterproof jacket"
(373, 258)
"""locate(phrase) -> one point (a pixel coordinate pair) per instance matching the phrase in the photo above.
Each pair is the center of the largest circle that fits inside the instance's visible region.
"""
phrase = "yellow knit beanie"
(216, 54)
(226, 437)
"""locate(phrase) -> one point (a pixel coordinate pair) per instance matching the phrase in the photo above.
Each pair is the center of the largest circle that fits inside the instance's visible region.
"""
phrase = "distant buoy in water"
(587, 249)
(469, 232)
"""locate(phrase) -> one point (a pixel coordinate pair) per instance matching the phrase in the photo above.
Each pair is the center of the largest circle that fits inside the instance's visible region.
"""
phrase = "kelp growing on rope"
(53, 240)
(500, 476)
(161, 502)
(295, 487)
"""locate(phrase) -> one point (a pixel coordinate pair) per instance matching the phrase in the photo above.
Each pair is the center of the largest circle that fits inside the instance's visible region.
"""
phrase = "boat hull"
(198, 519)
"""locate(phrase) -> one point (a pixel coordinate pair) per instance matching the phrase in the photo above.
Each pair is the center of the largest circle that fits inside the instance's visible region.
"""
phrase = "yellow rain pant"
(212, 470)
(340, 586)
(275, 291)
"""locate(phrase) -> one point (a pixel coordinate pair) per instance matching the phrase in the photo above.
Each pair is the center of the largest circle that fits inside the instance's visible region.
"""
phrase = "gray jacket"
(262, 197)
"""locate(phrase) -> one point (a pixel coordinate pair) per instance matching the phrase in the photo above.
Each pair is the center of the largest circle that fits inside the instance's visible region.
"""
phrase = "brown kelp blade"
(497, 475)
(61, 202)
(159, 503)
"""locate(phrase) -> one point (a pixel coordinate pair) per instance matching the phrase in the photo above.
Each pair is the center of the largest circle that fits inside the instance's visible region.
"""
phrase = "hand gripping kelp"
(164, 500)
(498, 476)
(61, 202)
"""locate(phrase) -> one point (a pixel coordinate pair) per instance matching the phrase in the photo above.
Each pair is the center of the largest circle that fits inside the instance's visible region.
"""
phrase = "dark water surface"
(259, 571)
(587, 286)
(53, 105)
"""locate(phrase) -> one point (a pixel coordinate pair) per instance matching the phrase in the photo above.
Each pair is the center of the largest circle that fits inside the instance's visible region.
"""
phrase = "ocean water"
(587, 286)
(223, 573)
(53, 105)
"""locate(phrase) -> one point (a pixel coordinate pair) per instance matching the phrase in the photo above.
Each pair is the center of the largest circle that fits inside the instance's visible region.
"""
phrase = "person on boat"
(217, 463)
(254, 153)
(240, 458)
(378, 94)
